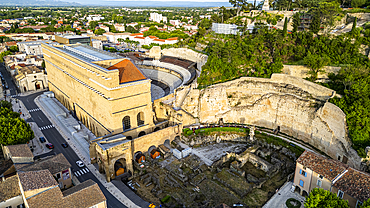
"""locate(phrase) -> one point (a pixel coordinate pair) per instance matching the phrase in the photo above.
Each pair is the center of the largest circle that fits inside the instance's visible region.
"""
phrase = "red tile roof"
(161, 40)
(136, 34)
(127, 71)
(326, 167)
(175, 38)
(355, 183)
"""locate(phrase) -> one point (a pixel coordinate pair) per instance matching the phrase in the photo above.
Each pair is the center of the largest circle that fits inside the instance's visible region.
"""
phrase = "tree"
(357, 3)
(131, 29)
(93, 24)
(315, 63)
(3, 54)
(238, 4)
(320, 198)
(43, 64)
(99, 31)
(285, 27)
(13, 49)
(315, 23)
(6, 104)
(366, 204)
(354, 25)
(296, 22)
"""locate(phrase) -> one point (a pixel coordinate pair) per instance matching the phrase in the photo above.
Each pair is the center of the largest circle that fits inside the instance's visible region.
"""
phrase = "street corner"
(37, 144)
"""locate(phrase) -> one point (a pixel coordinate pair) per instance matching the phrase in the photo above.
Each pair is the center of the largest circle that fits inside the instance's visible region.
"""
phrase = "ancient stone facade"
(297, 106)
(301, 71)
(108, 150)
(98, 94)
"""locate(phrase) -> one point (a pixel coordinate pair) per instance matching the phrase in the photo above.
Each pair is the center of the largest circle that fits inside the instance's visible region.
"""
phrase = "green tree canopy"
(320, 198)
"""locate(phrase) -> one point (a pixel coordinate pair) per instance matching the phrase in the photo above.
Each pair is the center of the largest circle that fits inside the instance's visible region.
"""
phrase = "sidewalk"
(59, 121)
(35, 144)
(285, 193)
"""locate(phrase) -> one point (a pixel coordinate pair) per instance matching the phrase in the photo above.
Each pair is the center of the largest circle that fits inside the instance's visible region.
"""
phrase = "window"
(58, 176)
(339, 157)
(358, 204)
(126, 123)
(303, 173)
(321, 177)
(301, 183)
(21, 206)
(140, 118)
(95, 206)
(9, 207)
(319, 182)
(340, 194)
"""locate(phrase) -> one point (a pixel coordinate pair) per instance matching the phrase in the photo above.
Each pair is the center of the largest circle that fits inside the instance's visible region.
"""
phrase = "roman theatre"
(136, 103)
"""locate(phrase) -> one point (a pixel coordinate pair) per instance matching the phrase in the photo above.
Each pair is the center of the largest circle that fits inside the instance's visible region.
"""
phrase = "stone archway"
(167, 143)
(304, 193)
(37, 86)
(142, 133)
(156, 129)
(120, 167)
(297, 190)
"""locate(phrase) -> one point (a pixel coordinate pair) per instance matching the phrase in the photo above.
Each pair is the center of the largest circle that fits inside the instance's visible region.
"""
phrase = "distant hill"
(37, 3)
(112, 3)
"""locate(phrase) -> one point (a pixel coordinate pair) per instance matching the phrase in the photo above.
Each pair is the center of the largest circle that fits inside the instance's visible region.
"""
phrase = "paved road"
(54, 137)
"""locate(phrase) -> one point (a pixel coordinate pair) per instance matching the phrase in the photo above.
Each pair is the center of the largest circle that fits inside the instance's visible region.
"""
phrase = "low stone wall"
(301, 71)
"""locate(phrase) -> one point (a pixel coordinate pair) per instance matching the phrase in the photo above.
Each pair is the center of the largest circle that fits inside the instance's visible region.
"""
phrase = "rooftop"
(85, 194)
(20, 150)
(9, 188)
(74, 36)
(54, 164)
(355, 183)
(88, 53)
(32, 180)
(128, 72)
(328, 168)
(112, 141)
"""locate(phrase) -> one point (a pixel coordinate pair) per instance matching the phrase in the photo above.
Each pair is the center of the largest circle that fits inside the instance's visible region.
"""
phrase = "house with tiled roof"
(316, 171)
(19, 153)
(58, 166)
(35, 187)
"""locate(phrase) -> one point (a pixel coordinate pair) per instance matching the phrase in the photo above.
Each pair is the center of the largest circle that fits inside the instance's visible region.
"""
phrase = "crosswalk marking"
(33, 110)
(81, 172)
(13, 96)
(46, 127)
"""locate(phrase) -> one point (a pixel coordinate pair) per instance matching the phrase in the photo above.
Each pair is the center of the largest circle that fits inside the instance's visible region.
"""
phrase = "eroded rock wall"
(297, 106)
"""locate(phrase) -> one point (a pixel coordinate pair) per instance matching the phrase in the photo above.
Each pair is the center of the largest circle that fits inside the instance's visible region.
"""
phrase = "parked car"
(42, 139)
(80, 164)
(50, 145)
(65, 145)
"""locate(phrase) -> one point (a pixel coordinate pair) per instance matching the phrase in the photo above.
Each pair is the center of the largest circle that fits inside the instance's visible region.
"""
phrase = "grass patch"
(165, 199)
(208, 131)
(279, 142)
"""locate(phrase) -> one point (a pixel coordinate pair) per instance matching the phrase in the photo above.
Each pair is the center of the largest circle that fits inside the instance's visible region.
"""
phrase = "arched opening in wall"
(140, 119)
(151, 148)
(177, 138)
(304, 193)
(37, 86)
(120, 167)
(220, 121)
(25, 89)
(167, 143)
(297, 190)
(153, 152)
(129, 137)
(142, 133)
(126, 123)
(139, 157)
(156, 129)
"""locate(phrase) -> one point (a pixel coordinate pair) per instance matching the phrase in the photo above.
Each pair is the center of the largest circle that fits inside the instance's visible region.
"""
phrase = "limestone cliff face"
(298, 107)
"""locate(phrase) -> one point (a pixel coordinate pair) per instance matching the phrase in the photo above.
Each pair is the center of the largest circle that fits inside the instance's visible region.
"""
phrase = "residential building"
(106, 28)
(266, 5)
(119, 27)
(14, 62)
(19, 153)
(73, 39)
(30, 78)
(58, 166)
(32, 47)
(95, 17)
(11, 195)
(98, 44)
(155, 17)
(227, 29)
(190, 27)
(316, 171)
(113, 37)
(175, 22)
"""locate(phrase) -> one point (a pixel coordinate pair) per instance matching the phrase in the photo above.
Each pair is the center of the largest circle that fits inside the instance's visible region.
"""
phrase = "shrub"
(289, 203)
